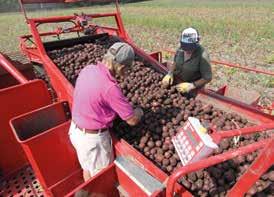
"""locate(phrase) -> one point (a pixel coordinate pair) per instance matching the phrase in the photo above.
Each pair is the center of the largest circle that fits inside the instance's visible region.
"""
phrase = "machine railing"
(255, 171)
(204, 163)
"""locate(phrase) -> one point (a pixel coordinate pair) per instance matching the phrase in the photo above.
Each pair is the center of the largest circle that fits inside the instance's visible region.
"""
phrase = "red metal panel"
(128, 185)
(157, 56)
(221, 90)
(68, 184)
(124, 149)
(44, 137)
(104, 183)
(13, 102)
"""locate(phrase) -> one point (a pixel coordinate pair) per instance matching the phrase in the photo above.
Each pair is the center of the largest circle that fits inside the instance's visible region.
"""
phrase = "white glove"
(185, 87)
(168, 79)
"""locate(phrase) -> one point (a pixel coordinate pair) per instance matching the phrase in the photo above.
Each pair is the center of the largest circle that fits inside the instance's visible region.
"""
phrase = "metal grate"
(21, 184)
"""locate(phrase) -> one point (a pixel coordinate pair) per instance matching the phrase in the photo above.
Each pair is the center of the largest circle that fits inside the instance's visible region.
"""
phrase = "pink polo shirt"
(98, 99)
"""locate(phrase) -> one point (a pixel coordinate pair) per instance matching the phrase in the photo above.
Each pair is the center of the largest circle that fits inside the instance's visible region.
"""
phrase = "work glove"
(185, 87)
(168, 79)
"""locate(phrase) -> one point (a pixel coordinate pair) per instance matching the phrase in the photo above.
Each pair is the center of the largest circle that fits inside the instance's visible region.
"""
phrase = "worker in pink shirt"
(97, 100)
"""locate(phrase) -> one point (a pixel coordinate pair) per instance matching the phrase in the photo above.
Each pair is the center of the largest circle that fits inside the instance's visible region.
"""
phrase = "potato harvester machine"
(37, 158)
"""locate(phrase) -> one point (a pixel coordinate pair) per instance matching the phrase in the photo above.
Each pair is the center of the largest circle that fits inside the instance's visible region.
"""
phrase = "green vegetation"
(270, 58)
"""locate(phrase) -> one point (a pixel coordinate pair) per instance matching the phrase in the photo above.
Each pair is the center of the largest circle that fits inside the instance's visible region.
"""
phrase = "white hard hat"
(189, 39)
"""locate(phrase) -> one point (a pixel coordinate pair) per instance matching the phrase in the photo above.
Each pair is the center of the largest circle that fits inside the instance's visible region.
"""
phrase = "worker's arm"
(169, 77)
(135, 119)
(119, 103)
(201, 82)
(172, 67)
(206, 72)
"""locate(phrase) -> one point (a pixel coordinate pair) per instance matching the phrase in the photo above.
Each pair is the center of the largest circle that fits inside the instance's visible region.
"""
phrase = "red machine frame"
(38, 53)
(64, 89)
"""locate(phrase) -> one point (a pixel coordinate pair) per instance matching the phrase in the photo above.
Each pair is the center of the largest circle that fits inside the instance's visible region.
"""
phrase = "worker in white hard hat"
(97, 100)
(191, 67)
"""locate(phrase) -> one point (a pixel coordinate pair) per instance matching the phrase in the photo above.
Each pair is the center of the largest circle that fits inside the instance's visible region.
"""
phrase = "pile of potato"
(71, 60)
(165, 111)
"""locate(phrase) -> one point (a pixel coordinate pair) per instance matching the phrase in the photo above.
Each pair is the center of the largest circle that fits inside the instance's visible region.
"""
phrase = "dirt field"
(238, 32)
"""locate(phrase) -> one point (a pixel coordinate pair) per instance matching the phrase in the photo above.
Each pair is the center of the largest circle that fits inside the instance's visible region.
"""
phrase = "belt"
(91, 130)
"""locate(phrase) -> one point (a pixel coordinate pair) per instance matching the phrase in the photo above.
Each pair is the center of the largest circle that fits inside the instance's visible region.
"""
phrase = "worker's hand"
(168, 79)
(185, 87)
(139, 112)
(136, 118)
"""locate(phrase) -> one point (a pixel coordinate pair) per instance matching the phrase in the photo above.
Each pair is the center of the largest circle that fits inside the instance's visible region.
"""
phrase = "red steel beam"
(254, 172)
(56, 19)
(210, 161)
(23, 2)
(62, 1)
(218, 136)
(12, 70)
(243, 67)
(41, 1)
